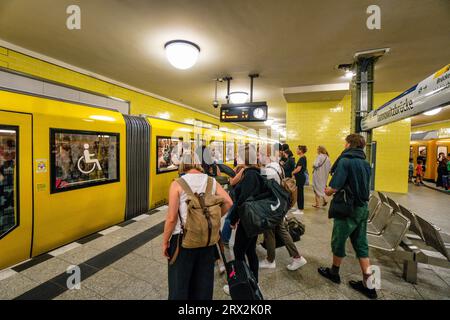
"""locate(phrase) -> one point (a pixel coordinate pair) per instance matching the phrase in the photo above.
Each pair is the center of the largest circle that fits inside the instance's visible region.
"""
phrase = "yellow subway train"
(69, 170)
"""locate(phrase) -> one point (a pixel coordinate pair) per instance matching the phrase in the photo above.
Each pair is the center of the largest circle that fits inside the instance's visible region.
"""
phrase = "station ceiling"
(290, 43)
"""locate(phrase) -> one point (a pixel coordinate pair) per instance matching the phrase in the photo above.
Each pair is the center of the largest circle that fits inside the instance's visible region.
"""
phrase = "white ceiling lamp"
(432, 112)
(182, 54)
(238, 97)
(349, 74)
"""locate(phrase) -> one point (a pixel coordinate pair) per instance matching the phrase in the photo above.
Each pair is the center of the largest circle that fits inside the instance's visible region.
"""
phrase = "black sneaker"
(326, 272)
(359, 286)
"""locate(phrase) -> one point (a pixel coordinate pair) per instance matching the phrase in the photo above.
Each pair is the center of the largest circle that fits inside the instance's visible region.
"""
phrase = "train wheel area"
(224, 150)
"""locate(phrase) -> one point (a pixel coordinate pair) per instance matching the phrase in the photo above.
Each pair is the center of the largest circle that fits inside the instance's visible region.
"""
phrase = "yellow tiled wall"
(327, 123)
(392, 151)
(312, 124)
(140, 103)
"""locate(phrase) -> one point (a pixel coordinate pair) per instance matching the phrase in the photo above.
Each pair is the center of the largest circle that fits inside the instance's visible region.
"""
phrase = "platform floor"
(125, 262)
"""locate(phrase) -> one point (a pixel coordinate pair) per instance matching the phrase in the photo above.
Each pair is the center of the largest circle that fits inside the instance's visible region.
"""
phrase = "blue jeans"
(226, 230)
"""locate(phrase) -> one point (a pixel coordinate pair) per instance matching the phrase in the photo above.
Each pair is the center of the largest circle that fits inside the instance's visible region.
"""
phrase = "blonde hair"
(322, 150)
(188, 162)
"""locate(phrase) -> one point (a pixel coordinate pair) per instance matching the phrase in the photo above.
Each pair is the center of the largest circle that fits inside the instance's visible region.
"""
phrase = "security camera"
(215, 104)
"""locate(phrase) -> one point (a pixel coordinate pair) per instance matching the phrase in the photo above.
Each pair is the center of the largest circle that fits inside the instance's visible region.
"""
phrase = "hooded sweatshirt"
(352, 169)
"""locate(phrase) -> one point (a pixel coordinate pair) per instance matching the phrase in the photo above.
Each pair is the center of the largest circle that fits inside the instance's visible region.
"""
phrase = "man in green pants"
(351, 171)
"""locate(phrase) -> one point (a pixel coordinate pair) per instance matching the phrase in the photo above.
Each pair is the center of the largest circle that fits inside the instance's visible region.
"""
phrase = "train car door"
(16, 187)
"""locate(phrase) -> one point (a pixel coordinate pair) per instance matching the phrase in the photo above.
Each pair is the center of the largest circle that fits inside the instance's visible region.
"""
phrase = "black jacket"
(251, 184)
(289, 166)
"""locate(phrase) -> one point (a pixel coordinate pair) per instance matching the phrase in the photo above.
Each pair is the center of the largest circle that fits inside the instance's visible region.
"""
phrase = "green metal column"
(362, 102)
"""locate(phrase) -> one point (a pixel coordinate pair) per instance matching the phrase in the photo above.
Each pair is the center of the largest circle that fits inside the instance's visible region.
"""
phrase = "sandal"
(317, 207)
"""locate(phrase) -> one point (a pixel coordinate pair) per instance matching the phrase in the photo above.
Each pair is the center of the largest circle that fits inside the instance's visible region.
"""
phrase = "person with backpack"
(350, 186)
(191, 231)
(250, 183)
(274, 171)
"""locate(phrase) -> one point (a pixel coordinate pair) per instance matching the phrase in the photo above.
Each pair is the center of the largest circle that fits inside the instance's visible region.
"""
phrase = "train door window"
(423, 156)
(82, 159)
(9, 216)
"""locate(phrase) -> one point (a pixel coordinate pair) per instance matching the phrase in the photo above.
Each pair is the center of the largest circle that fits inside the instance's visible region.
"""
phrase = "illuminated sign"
(246, 112)
(428, 94)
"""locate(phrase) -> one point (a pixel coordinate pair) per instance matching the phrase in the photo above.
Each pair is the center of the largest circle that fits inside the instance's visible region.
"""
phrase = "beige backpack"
(203, 218)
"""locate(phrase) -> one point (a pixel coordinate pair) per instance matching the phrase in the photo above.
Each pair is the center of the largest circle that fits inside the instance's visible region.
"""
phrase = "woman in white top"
(321, 167)
(191, 277)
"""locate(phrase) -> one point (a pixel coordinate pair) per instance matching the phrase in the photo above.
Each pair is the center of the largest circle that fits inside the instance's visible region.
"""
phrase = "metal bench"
(380, 220)
(393, 204)
(373, 206)
(392, 235)
(415, 226)
(382, 197)
(433, 237)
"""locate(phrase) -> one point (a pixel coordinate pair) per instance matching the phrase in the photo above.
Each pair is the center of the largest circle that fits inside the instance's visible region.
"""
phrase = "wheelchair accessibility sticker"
(87, 163)
(41, 165)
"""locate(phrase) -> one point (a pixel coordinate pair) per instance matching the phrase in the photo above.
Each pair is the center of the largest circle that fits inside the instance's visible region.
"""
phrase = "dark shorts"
(354, 228)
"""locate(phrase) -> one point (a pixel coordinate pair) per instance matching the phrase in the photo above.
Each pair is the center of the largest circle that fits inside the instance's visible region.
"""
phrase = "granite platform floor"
(126, 262)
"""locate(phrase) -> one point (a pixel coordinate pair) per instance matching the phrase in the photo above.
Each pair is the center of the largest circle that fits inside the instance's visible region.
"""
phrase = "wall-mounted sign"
(246, 112)
(428, 94)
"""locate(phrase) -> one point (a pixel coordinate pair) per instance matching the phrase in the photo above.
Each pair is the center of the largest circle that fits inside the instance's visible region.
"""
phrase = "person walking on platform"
(321, 167)
(351, 174)
(191, 270)
(251, 183)
(274, 171)
(300, 178)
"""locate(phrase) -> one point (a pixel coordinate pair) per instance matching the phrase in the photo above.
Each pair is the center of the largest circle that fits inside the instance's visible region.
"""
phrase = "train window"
(82, 159)
(9, 217)
(229, 152)
(216, 148)
(169, 152)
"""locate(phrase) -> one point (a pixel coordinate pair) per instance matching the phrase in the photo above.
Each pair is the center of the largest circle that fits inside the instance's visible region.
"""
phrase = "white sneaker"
(267, 265)
(226, 289)
(296, 263)
(222, 268)
(298, 212)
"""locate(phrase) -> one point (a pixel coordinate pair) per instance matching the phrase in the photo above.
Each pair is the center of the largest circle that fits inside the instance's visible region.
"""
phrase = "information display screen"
(248, 112)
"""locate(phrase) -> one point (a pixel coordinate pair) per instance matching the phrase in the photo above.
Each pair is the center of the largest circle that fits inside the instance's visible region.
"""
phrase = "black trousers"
(245, 246)
(301, 196)
(191, 277)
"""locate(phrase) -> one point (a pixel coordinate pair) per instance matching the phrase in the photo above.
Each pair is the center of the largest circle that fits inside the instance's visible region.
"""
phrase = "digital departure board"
(247, 112)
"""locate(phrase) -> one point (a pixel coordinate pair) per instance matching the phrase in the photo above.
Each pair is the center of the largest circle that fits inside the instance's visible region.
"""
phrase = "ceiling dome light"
(182, 54)
(349, 74)
(238, 97)
(432, 112)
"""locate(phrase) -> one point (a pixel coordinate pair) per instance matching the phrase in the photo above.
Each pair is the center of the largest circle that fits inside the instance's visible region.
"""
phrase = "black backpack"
(265, 211)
